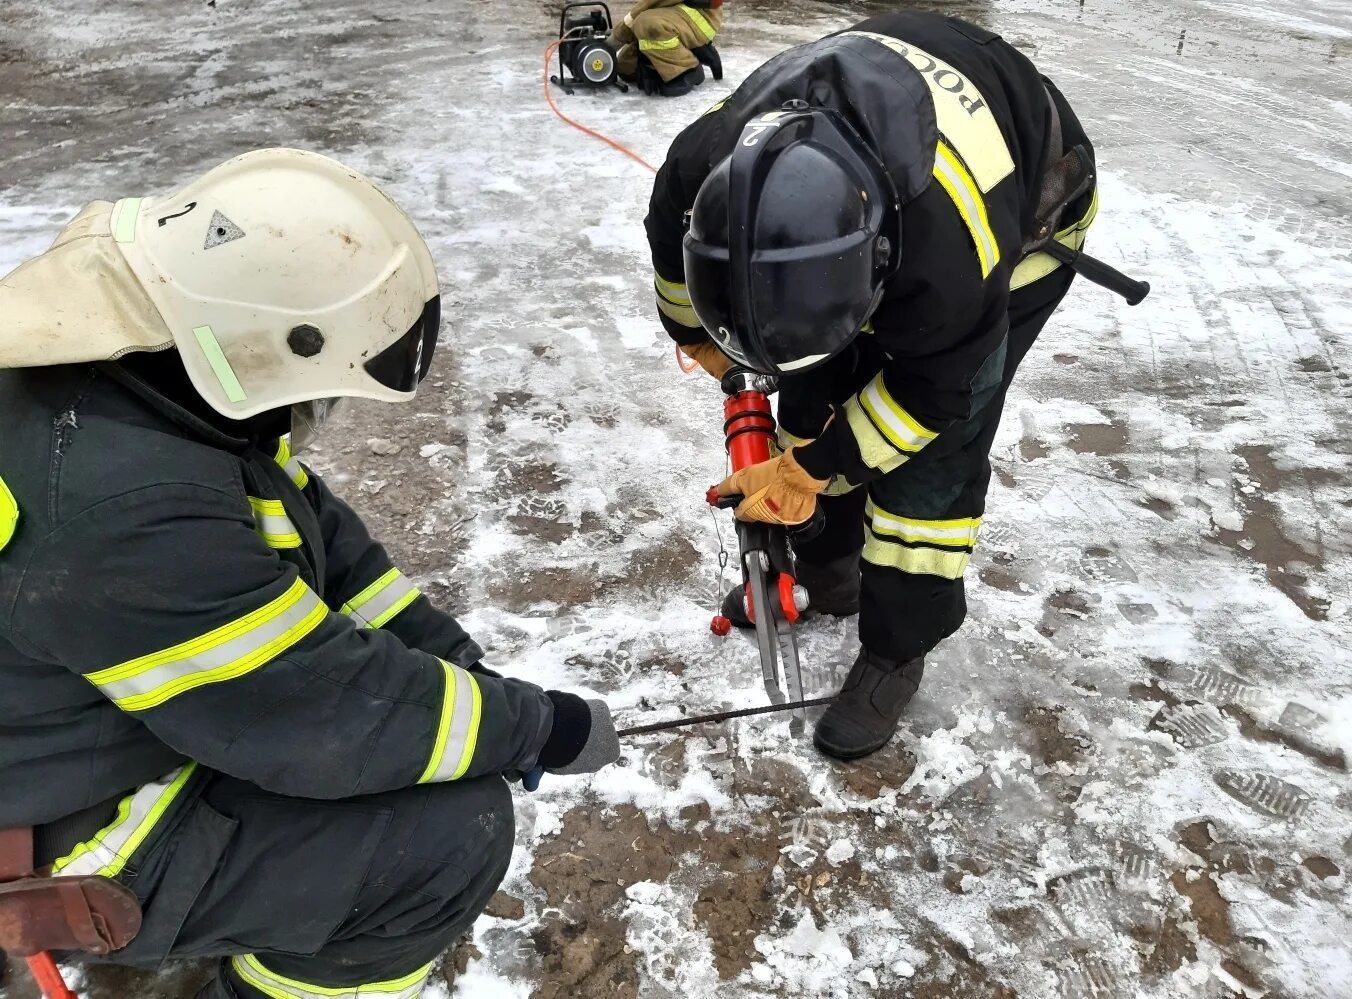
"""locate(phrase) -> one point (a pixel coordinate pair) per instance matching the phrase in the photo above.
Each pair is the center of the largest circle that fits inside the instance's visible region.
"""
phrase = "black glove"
(583, 738)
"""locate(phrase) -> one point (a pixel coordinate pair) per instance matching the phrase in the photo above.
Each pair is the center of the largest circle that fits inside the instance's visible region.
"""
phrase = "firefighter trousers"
(305, 899)
(664, 36)
(915, 527)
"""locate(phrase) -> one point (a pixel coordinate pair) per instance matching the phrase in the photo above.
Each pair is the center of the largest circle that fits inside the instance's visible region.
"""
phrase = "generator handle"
(563, 14)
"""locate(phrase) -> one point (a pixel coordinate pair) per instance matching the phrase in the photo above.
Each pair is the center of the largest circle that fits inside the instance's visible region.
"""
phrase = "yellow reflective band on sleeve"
(276, 986)
(902, 430)
(967, 199)
(292, 466)
(874, 449)
(701, 23)
(273, 524)
(376, 605)
(458, 729)
(965, 119)
(112, 847)
(9, 515)
(1037, 266)
(672, 291)
(683, 315)
(227, 653)
(718, 105)
(662, 45)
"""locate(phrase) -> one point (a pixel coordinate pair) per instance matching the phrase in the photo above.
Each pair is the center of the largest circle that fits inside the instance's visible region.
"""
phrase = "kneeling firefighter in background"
(664, 45)
(218, 690)
(862, 218)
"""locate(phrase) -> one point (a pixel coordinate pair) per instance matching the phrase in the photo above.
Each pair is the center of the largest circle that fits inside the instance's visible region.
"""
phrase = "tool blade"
(767, 639)
(793, 676)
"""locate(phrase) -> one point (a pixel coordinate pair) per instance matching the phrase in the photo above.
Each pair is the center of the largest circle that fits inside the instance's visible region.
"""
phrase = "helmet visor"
(404, 363)
(805, 309)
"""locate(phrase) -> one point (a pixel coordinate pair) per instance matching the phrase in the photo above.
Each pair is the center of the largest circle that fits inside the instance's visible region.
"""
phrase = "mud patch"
(739, 904)
(1264, 540)
(1102, 439)
(1053, 744)
(583, 873)
(1209, 909)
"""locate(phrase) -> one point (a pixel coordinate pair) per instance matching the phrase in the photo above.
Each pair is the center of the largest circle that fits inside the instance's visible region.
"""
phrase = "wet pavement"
(1126, 777)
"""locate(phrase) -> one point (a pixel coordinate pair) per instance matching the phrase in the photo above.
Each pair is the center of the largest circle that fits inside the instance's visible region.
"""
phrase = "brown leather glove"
(777, 491)
(708, 357)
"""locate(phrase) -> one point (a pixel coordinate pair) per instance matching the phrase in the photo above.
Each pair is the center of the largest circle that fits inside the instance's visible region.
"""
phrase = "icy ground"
(1126, 777)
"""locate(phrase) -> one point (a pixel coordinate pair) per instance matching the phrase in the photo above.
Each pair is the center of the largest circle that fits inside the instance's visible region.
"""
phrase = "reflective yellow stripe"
(292, 466)
(874, 449)
(1037, 266)
(123, 221)
(227, 653)
(112, 847)
(952, 541)
(700, 22)
(376, 605)
(659, 46)
(902, 430)
(718, 105)
(9, 515)
(917, 561)
(273, 524)
(276, 986)
(684, 315)
(677, 294)
(458, 730)
(964, 118)
(966, 197)
(952, 533)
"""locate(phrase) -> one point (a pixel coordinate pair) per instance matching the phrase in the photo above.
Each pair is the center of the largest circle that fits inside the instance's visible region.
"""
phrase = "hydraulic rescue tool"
(774, 602)
(585, 49)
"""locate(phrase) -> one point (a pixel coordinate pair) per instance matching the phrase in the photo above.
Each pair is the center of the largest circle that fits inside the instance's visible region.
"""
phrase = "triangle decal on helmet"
(221, 231)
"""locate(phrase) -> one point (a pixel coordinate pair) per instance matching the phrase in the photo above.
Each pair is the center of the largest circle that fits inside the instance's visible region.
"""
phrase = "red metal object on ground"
(720, 626)
(48, 976)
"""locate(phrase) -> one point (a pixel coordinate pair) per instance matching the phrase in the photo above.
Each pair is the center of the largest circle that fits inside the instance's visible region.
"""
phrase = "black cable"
(723, 716)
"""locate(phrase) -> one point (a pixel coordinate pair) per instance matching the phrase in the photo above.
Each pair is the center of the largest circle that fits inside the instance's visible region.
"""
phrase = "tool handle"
(798, 533)
(1104, 275)
(48, 977)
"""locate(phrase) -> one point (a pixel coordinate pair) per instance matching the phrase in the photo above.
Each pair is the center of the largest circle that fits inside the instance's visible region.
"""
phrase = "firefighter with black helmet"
(219, 690)
(865, 218)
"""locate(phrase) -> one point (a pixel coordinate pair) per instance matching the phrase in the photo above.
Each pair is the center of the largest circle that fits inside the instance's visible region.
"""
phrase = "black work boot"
(865, 713)
(832, 588)
(679, 86)
(708, 56)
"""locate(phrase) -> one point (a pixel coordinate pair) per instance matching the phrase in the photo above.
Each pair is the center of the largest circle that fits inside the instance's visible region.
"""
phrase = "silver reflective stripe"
(137, 815)
(277, 528)
(376, 605)
(227, 653)
(278, 986)
(973, 211)
(458, 731)
(293, 467)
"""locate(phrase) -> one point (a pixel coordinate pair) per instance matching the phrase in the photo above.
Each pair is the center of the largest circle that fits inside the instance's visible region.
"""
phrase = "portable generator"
(585, 52)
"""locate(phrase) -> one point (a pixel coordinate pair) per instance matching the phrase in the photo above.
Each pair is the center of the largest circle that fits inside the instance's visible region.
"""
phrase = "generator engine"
(586, 58)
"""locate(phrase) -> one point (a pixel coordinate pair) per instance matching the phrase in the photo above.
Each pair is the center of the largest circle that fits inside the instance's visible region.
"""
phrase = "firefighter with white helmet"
(219, 690)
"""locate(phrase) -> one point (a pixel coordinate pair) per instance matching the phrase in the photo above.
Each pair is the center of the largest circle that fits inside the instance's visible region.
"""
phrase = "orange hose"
(613, 144)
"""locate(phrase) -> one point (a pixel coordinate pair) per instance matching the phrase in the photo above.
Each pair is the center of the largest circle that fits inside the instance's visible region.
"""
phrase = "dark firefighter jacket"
(172, 596)
(961, 120)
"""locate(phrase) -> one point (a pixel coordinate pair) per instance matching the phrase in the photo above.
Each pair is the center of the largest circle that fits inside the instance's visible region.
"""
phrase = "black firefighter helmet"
(791, 240)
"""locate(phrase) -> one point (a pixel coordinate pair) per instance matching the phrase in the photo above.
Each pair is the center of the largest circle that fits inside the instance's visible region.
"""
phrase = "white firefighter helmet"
(286, 277)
